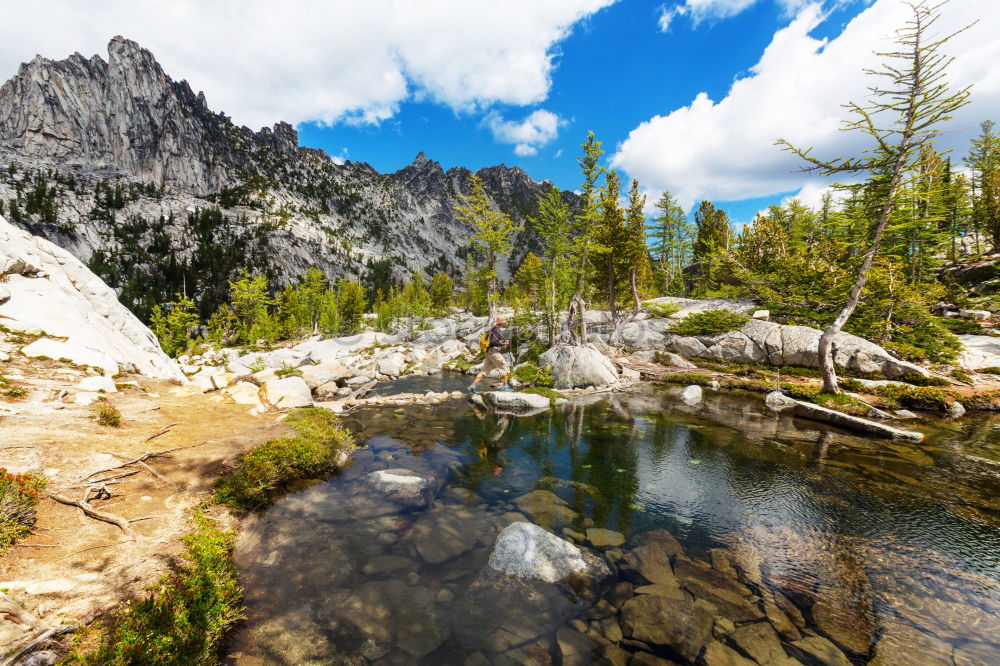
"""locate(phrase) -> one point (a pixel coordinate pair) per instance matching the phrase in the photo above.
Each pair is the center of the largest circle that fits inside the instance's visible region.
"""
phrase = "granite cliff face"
(135, 175)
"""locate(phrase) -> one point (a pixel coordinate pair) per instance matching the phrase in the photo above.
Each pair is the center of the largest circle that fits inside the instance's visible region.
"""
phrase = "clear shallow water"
(873, 541)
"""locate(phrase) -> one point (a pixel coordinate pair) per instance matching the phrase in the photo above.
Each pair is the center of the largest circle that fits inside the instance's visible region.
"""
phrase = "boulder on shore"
(576, 367)
(287, 393)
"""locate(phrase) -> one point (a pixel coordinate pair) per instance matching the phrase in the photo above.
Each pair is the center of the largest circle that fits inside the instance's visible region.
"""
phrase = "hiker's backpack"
(484, 341)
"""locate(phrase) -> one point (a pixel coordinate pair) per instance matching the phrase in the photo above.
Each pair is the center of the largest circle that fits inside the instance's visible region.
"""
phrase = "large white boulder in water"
(515, 402)
(574, 366)
(50, 291)
(525, 550)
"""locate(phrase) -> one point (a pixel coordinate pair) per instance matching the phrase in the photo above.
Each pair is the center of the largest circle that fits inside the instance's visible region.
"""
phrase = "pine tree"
(442, 291)
(554, 225)
(586, 221)
(492, 237)
(610, 236)
(917, 100)
(671, 242)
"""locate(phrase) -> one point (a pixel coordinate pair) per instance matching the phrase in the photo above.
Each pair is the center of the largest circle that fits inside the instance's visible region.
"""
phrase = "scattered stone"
(905, 414)
(545, 508)
(396, 613)
(603, 538)
(97, 384)
(759, 642)
(400, 483)
(447, 530)
(817, 650)
(288, 393)
(956, 410)
(761, 314)
(681, 625)
(777, 401)
(717, 654)
(691, 395)
(900, 642)
(575, 647)
(527, 551)
(649, 563)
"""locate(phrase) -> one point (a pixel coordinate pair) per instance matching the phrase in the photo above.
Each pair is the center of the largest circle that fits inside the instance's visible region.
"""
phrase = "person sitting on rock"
(494, 357)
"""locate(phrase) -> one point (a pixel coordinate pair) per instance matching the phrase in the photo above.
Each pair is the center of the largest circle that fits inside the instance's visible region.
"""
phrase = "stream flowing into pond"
(807, 542)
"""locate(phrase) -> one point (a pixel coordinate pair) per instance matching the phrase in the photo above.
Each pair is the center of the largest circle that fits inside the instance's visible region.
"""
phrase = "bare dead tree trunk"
(618, 332)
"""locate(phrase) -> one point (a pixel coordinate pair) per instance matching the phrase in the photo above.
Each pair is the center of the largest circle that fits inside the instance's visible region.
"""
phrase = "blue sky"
(614, 71)
(694, 108)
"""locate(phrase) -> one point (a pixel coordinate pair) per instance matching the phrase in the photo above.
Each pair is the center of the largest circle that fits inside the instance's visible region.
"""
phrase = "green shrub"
(918, 379)
(286, 371)
(961, 375)
(962, 326)
(805, 392)
(107, 414)
(842, 403)
(10, 390)
(549, 393)
(914, 397)
(688, 378)
(263, 470)
(989, 371)
(985, 401)
(19, 495)
(851, 385)
(661, 310)
(709, 322)
(532, 375)
(184, 618)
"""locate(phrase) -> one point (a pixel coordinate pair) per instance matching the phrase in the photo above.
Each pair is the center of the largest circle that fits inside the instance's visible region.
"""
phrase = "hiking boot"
(507, 388)
(473, 389)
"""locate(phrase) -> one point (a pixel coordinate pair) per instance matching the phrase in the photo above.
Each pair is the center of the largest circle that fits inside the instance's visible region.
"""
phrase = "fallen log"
(781, 403)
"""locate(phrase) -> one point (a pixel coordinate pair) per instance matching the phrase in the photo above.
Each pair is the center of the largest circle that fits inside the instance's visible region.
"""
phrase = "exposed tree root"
(84, 506)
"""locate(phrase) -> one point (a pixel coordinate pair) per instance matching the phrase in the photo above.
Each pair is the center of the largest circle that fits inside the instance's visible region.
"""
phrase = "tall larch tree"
(900, 119)
(586, 221)
(491, 238)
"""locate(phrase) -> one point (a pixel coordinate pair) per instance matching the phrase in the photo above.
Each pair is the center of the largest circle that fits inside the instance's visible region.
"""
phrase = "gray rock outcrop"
(514, 402)
(51, 292)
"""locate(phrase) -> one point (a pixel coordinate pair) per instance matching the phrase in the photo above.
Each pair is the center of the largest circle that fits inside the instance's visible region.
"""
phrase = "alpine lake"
(767, 539)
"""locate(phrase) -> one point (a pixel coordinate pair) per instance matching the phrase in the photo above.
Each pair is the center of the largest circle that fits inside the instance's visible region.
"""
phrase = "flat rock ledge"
(782, 403)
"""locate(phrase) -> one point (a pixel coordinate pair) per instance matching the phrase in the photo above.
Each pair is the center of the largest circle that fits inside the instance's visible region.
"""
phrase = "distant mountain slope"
(122, 166)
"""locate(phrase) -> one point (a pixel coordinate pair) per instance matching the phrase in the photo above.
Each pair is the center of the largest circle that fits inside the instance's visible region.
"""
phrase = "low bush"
(989, 371)
(19, 495)
(688, 378)
(9, 389)
(963, 326)
(961, 375)
(532, 375)
(913, 397)
(549, 393)
(107, 414)
(709, 322)
(265, 469)
(661, 310)
(184, 618)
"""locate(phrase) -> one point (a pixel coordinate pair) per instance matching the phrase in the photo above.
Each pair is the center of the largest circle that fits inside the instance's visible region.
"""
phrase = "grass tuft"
(183, 619)
(266, 468)
(549, 393)
(107, 415)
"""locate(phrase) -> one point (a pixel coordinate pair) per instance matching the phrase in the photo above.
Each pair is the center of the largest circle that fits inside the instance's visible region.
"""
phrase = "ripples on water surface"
(887, 548)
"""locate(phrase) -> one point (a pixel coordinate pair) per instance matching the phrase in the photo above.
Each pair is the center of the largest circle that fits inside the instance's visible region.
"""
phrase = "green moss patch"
(265, 469)
(549, 393)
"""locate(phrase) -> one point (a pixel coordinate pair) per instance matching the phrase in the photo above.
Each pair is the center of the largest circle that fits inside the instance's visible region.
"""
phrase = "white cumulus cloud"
(724, 150)
(331, 61)
(536, 130)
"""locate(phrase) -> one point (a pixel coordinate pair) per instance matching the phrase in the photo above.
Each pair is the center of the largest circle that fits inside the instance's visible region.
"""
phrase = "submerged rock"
(546, 508)
(691, 395)
(681, 625)
(400, 483)
(527, 551)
